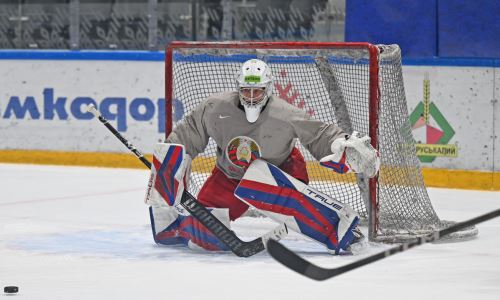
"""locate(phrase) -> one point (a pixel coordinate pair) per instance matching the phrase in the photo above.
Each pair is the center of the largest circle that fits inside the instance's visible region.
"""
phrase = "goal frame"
(373, 93)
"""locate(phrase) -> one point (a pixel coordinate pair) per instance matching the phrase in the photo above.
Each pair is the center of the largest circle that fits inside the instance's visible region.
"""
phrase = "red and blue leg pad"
(313, 219)
(165, 182)
(185, 229)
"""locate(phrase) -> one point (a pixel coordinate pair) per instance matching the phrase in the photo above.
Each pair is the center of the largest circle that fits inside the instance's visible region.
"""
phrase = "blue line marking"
(452, 62)
(83, 55)
(159, 56)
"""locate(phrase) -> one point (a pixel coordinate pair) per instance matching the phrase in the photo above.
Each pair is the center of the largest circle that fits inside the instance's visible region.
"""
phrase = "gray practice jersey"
(271, 137)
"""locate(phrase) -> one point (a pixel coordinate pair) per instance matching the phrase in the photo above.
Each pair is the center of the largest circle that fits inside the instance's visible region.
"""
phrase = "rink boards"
(42, 116)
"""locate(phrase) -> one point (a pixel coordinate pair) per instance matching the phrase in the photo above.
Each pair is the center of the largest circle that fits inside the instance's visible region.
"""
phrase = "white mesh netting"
(332, 85)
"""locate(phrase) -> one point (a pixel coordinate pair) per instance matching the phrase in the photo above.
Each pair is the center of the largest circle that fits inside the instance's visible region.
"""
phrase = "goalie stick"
(200, 212)
(308, 269)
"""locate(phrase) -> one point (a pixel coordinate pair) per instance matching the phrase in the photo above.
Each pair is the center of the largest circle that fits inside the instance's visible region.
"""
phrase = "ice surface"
(83, 233)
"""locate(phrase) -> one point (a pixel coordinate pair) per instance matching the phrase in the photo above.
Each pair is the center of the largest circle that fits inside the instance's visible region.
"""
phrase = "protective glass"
(252, 96)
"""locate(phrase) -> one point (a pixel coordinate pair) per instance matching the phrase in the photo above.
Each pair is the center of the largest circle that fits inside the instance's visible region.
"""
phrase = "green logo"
(252, 79)
(431, 130)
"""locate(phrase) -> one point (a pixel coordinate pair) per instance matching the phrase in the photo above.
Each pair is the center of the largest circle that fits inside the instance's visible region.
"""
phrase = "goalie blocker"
(302, 208)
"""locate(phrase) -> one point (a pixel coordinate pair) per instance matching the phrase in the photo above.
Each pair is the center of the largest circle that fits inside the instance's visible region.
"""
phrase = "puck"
(10, 289)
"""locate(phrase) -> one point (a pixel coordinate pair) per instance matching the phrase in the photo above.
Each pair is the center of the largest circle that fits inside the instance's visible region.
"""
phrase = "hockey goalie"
(257, 165)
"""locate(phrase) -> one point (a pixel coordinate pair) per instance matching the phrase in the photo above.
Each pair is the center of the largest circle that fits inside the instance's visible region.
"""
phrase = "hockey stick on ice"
(202, 214)
(308, 269)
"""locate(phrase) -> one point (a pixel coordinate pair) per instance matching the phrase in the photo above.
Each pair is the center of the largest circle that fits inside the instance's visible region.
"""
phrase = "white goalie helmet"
(255, 86)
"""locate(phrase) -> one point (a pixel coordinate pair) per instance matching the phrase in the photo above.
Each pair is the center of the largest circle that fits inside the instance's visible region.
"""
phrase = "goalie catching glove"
(353, 153)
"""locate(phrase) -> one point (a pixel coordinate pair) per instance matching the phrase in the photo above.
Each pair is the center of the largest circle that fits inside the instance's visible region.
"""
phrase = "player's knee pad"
(171, 228)
(169, 175)
(302, 208)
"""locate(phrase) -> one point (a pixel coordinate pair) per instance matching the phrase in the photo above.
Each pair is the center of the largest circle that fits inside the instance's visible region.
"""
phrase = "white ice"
(83, 233)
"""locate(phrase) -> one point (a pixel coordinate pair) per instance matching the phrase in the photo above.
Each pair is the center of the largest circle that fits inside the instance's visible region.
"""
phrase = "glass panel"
(35, 24)
(329, 23)
(209, 20)
(315, 20)
(9, 26)
(151, 24)
(115, 24)
(47, 26)
(174, 21)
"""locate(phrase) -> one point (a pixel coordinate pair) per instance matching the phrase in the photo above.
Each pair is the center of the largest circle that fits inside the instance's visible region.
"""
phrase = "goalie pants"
(218, 190)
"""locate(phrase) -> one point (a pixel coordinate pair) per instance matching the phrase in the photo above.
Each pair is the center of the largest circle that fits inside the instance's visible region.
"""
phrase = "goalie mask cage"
(357, 86)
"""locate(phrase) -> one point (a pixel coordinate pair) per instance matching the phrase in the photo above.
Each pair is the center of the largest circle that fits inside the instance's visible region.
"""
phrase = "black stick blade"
(293, 261)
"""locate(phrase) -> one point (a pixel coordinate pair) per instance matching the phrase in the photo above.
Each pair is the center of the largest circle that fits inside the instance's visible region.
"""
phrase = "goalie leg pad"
(171, 228)
(169, 175)
(303, 209)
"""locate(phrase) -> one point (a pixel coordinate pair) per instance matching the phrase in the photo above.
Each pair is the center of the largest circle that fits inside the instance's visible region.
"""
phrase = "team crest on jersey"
(242, 150)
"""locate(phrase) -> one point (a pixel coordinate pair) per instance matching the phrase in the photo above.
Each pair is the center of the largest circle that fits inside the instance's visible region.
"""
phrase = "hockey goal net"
(357, 86)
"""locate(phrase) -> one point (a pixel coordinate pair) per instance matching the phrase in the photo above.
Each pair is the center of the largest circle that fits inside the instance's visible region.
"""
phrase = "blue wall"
(391, 22)
(426, 28)
(469, 28)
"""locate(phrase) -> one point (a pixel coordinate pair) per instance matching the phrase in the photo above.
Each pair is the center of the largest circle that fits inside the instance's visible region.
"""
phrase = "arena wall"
(44, 95)
(458, 28)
